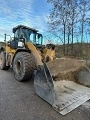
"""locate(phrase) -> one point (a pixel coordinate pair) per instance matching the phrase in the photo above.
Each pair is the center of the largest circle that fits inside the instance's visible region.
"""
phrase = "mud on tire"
(3, 61)
(23, 66)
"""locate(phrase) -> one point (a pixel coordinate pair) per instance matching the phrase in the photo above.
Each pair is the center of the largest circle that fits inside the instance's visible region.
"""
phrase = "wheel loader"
(27, 55)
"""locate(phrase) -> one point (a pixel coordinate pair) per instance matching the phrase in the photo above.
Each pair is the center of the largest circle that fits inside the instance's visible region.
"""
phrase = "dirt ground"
(65, 68)
(18, 101)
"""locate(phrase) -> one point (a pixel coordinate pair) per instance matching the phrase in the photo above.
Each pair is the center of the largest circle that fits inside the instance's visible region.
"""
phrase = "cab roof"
(22, 26)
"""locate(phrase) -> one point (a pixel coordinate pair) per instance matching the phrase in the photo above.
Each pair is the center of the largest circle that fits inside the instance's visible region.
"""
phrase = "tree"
(62, 17)
(58, 18)
(68, 19)
(84, 9)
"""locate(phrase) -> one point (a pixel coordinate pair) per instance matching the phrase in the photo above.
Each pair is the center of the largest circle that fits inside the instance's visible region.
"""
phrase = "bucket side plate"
(43, 84)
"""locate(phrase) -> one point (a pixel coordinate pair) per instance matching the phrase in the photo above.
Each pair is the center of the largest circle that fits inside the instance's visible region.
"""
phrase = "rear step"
(64, 95)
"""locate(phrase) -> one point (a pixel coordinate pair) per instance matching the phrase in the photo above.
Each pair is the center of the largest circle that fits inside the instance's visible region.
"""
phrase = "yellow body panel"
(39, 56)
(50, 53)
(8, 49)
(45, 50)
(35, 53)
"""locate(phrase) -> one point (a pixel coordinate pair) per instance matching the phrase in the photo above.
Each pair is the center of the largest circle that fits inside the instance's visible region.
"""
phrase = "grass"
(78, 50)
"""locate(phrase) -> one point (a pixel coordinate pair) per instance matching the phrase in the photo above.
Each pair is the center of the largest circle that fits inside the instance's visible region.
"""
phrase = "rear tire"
(3, 61)
(23, 66)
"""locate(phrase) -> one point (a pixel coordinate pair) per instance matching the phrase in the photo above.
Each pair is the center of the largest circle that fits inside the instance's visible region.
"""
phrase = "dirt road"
(18, 101)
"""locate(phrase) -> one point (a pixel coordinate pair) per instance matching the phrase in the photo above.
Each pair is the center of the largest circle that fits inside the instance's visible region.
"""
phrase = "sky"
(32, 13)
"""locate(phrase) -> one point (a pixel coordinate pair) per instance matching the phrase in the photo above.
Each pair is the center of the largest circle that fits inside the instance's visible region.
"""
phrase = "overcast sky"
(26, 12)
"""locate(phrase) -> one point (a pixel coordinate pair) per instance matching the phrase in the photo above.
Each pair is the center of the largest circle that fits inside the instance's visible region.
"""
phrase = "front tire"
(23, 66)
(3, 61)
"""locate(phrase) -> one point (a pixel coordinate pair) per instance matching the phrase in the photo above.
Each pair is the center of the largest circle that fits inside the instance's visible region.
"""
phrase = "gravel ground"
(18, 101)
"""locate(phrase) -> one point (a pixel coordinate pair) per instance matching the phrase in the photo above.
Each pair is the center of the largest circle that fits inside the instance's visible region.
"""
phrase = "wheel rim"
(18, 66)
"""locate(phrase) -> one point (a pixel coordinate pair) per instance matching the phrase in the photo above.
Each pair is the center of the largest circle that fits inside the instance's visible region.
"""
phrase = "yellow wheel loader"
(25, 53)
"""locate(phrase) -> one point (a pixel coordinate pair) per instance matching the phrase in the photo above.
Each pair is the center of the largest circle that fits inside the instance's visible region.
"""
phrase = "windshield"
(32, 36)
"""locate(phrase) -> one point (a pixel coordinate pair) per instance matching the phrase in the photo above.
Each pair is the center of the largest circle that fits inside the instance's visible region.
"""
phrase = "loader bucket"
(64, 96)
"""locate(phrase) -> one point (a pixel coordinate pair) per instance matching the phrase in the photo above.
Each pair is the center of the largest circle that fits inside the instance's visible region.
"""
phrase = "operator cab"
(24, 34)
(28, 34)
